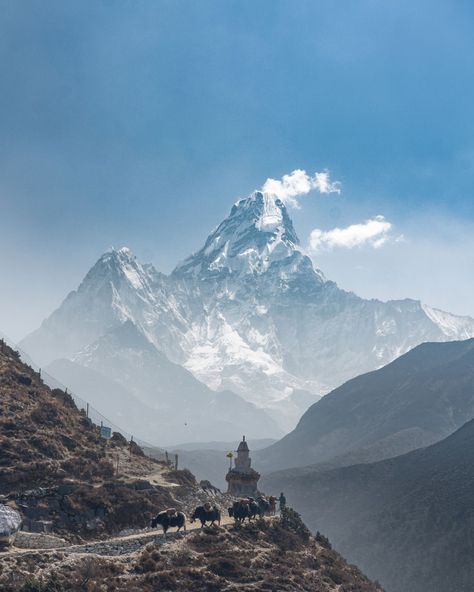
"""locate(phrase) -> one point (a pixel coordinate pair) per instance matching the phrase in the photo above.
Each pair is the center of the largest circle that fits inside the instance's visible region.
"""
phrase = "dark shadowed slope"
(407, 521)
(416, 400)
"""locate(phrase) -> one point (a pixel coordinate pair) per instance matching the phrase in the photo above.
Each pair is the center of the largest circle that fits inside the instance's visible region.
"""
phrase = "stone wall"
(31, 540)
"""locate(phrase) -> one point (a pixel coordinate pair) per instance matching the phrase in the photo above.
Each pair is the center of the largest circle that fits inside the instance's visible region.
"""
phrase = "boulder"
(10, 522)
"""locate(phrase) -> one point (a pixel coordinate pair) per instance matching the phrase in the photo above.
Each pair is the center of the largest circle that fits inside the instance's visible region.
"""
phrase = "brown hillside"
(265, 556)
(56, 469)
(59, 472)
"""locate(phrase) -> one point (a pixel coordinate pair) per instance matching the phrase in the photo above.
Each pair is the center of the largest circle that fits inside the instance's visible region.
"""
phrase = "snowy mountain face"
(163, 402)
(248, 312)
(257, 235)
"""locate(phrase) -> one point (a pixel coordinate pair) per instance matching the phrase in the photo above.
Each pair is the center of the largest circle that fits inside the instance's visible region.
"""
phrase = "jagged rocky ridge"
(247, 313)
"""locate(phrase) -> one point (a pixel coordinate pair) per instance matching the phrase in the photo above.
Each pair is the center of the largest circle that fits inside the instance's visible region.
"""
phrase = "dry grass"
(236, 559)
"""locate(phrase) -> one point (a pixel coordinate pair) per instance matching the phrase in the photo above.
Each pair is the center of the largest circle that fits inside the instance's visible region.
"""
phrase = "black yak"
(264, 506)
(169, 518)
(206, 513)
(253, 509)
(242, 509)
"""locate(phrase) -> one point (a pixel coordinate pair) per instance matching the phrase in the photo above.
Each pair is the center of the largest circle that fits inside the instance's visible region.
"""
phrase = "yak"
(206, 513)
(242, 509)
(264, 506)
(253, 509)
(169, 518)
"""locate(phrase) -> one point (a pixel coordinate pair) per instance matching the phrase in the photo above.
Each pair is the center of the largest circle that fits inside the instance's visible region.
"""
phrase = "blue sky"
(140, 123)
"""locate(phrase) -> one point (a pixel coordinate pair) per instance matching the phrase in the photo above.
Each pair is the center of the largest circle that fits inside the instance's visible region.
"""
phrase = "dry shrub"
(64, 398)
(182, 558)
(45, 415)
(181, 476)
(51, 584)
(88, 574)
(146, 565)
(46, 446)
(227, 567)
(118, 440)
(322, 540)
(135, 449)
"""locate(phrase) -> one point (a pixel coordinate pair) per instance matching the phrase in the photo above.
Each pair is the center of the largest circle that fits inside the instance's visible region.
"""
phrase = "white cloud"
(299, 183)
(373, 232)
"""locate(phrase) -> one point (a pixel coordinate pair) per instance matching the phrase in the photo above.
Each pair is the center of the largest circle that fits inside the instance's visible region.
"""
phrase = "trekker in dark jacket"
(282, 501)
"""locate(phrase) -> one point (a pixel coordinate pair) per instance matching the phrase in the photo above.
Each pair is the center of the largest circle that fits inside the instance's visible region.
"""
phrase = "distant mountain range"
(140, 389)
(418, 399)
(406, 521)
(247, 313)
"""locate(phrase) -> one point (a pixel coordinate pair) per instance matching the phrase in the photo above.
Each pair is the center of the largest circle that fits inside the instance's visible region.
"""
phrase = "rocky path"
(120, 545)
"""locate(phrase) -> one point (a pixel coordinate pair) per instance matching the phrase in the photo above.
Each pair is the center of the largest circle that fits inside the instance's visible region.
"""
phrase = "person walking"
(282, 501)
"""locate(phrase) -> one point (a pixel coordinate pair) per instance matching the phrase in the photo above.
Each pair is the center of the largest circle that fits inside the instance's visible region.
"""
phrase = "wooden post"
(176, 461)
(167, 458)
(87, 409)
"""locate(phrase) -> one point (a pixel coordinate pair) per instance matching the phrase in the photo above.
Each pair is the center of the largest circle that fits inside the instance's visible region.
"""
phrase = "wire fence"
(91, 412)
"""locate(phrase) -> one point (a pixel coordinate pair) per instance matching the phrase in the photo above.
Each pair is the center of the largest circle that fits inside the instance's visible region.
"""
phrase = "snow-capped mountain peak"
(118, 266)
(248, 312)
(257, 233)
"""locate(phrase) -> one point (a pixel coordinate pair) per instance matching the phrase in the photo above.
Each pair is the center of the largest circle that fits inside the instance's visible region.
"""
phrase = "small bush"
(322, 540)
(118, 440)
(65, 398)
(181, 476)
(291, 520)
(135, 449)
(35, 585)
(45, 415)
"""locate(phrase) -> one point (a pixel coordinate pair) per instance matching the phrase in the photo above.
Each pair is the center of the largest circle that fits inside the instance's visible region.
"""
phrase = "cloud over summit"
(297, 183)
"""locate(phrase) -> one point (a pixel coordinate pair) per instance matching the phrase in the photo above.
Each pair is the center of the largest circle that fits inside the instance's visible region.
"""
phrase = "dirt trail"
(120, 545)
